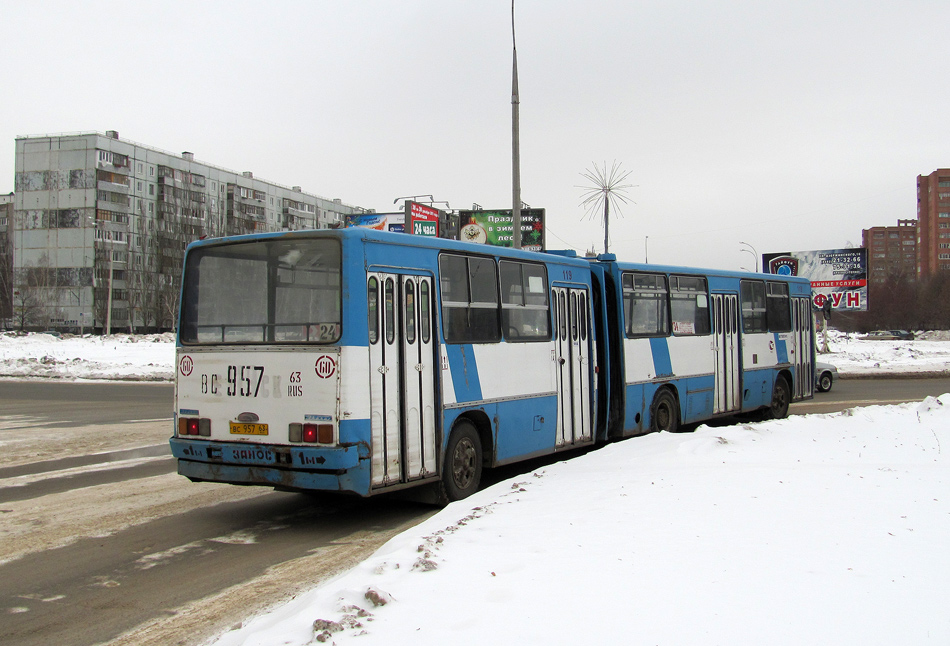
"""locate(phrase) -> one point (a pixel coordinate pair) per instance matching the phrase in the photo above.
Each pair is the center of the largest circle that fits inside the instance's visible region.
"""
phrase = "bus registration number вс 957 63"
(241, 428)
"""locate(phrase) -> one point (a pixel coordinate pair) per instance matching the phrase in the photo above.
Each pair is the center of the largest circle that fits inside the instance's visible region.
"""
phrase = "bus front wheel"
(664, 414)
(462, 470)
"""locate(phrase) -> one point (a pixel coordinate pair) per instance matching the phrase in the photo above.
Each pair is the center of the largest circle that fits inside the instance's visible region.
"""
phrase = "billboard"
(838, 275)
(495, 227)
(379, 221)
(423, 220)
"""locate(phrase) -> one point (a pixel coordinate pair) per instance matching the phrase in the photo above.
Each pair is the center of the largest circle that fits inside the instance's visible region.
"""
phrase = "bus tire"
(781, 397)
(462, 469)
(664, 413)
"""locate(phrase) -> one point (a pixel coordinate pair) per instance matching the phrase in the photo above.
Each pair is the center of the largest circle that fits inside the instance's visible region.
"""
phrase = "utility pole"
(515, 142)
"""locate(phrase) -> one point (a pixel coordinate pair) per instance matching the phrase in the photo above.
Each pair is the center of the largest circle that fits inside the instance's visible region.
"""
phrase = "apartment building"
(6, 258)
(892, 251)
(100, 225)
(933, 223)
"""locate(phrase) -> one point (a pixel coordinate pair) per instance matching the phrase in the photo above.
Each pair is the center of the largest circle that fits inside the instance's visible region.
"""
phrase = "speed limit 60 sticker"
(325, 367)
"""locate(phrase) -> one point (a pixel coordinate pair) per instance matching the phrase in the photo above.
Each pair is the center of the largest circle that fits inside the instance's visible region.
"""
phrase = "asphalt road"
(191, 559)
(67, 404)
(848, 393)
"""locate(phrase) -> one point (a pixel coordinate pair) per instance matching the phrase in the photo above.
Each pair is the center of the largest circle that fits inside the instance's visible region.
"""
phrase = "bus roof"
(393, 238)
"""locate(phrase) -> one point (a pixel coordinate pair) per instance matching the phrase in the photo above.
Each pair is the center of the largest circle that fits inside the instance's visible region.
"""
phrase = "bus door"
(802, 331)
(572, 356)
(727, 368)
(402, 386)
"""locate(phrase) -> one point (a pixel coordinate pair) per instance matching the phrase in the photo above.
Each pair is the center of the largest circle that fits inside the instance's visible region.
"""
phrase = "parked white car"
(825, 376)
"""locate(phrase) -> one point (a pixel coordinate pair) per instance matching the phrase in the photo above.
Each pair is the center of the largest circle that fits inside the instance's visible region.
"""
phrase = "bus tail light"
(311, 433)
(194, 426)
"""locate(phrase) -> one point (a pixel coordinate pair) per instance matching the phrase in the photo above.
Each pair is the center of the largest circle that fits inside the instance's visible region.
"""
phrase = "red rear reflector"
(192, 427)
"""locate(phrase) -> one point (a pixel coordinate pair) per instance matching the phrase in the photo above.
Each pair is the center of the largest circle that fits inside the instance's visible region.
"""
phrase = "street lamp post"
(755, 255)
(515, 141)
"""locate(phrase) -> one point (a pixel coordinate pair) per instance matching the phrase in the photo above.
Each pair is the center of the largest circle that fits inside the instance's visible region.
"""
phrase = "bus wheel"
(781, 396)
(664, 414)
(462, 470)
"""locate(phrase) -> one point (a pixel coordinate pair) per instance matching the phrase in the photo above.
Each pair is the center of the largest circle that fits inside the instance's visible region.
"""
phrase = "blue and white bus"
(366, 362)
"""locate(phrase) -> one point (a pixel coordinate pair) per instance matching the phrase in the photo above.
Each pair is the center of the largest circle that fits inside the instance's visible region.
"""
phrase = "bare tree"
(606, 188)
(32, 295)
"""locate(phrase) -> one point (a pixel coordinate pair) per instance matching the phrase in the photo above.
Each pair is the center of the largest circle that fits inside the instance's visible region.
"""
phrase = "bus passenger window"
(689, 305)
(524, 301)
(469, 299)
(645, 304)
(777, 307)
(752, 293)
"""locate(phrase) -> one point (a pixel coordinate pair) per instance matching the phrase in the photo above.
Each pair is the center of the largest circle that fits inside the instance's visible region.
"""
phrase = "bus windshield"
(277, 291)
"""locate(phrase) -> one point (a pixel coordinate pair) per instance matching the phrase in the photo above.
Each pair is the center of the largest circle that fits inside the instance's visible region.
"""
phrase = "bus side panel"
(520, 428)
(514, 369)
(638, 361)
(696, 398)
(635, 414)
(759, 363)
(513, 385)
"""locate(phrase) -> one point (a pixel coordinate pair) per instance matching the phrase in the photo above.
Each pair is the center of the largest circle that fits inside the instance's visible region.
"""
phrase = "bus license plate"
(240, 428)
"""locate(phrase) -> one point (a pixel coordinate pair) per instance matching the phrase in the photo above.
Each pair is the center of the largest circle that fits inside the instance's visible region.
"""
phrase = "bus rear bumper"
(340, 469)
(347, 482)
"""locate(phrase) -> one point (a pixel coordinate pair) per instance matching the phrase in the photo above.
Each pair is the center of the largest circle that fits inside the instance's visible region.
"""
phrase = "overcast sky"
(787, 125)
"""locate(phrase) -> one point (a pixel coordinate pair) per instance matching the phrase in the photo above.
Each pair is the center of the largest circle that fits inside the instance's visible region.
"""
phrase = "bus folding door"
(402, 380)
(727, 367)
(804, 351)
(572, 355)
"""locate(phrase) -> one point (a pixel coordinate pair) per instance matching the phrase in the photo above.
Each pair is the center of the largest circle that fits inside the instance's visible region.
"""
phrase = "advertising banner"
(495, 228)
(837, 275)
(423, 220)
(379, 221)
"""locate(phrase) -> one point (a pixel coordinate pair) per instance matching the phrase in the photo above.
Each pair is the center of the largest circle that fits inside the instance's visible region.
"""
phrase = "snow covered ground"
(152, 357)
(120, 356)
(818, 529)
(823, 529)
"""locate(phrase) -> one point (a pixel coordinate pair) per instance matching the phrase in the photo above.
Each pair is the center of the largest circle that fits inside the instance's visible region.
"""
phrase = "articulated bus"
(366, 362)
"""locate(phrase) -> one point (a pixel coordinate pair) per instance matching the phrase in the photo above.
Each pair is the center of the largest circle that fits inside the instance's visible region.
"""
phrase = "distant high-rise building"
(933, 223)
(892, 251)
(100, 225)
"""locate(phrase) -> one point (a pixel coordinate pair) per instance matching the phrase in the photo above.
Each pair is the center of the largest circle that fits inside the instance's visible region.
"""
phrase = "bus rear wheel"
(781, 397)
(462, 470)
(664, 414)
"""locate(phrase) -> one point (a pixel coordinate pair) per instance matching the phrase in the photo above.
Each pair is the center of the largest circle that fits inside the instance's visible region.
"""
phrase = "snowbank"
(823, 529)
(148, 357)
(152, 357)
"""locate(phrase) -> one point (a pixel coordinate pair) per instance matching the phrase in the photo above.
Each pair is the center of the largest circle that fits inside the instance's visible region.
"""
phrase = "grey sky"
(790, 125)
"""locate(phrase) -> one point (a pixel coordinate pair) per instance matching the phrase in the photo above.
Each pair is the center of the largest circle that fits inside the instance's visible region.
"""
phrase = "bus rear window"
(267, 291)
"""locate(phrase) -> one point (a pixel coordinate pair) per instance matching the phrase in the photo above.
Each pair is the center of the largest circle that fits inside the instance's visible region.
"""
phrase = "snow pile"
(824, 529)
(860, 355)
(149, 357)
